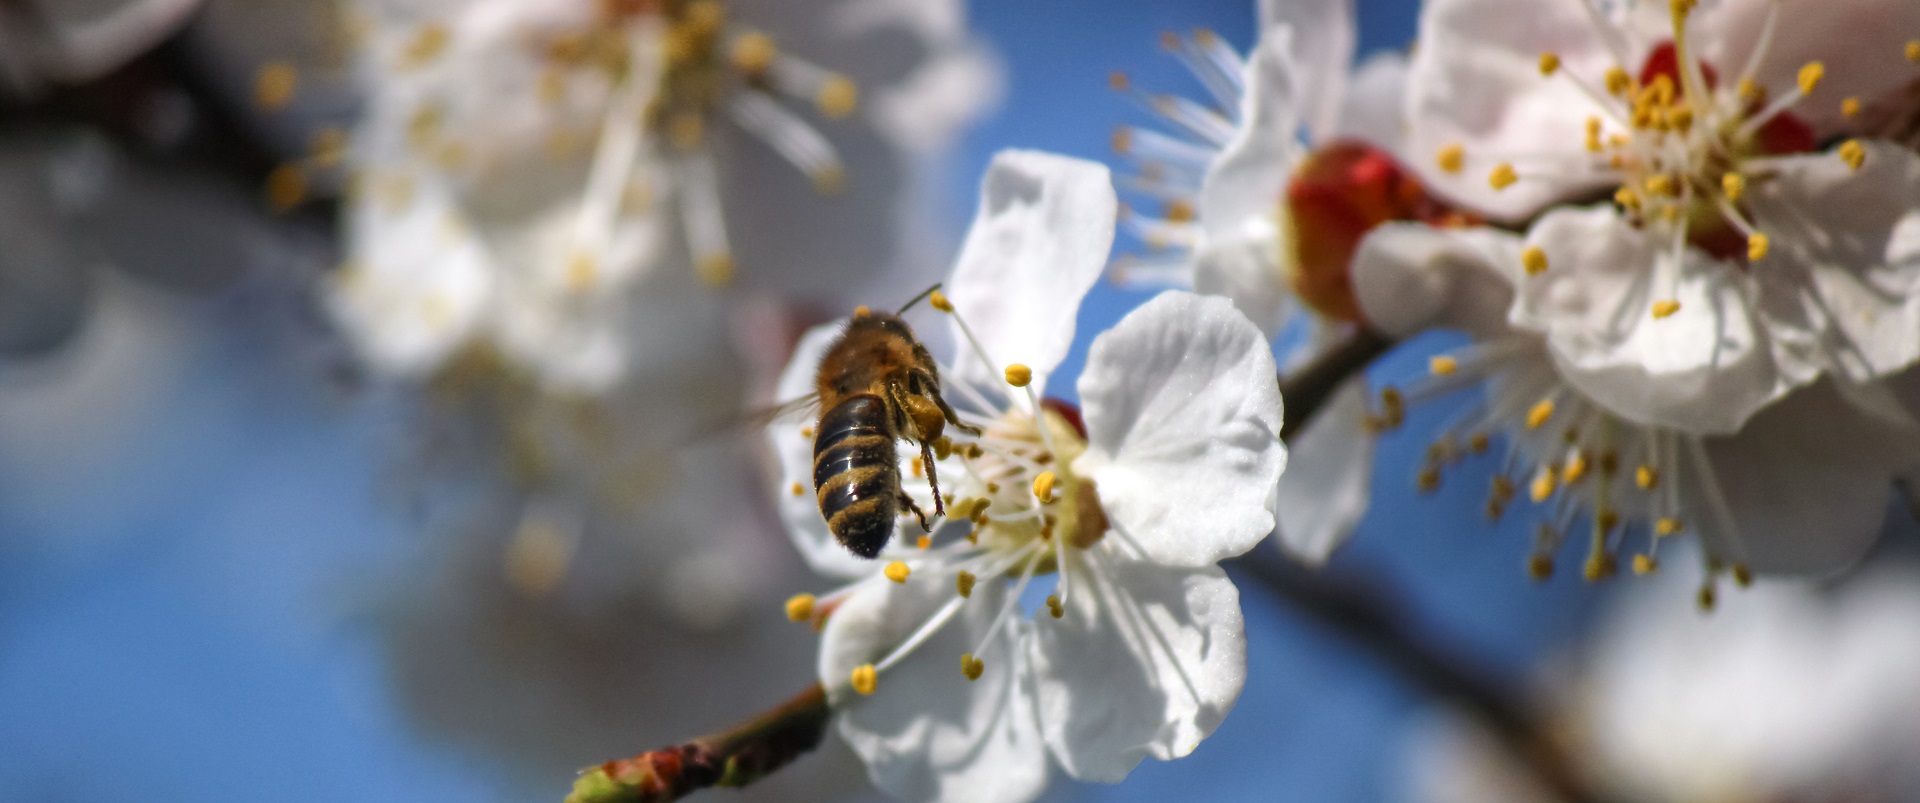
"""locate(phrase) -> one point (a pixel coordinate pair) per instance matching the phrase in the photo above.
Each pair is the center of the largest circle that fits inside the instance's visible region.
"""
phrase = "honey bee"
(876, 385)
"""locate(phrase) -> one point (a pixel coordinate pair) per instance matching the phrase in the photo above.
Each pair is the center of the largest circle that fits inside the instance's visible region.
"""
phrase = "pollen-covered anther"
(1451, 158)
(1647, 477)
(1850, 107)
(897, 571)
(753, 53)
(963, 583)
(1549, 63)
(1600, 566)
(1019, 375)
(1627, 199)
(1443, 365)
(1502, 176)
(1054, 607)
(274, 85)
(1619, 82)
(1661, 184)
(1606, 519)
(1756, 247)
(1733, 185)
(286, 187)
(1539, 566)
(1751, 91)
(1742, 576)
(1043, 487)
(797, 489)
(1534, 259)
(1594, 143)
(1706, 597)
(1666, 526)
(971, 666)
(800, 607)
(1913, 50)
(838, 97)
(1645, 564)
(716, 270)
(1538, 414)
(1478, 442)
(924, 542)
(1665, 307)
(1810, 76)
(1853, 153)
(1575, 469)
(864, 678)
(1428, 480)
(1544, 484)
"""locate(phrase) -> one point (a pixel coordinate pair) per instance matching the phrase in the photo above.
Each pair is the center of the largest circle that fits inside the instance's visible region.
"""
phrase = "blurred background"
(223, 576)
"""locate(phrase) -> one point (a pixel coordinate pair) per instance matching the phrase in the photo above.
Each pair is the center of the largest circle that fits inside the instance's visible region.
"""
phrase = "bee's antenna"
(917, 299)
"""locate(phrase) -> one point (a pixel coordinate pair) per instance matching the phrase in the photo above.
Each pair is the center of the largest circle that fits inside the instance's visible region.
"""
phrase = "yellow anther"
(1606, 519)
(716, 270)
(753, 53)
(1443, 365)
(1659, 93)
(1043, 487)
(286, 187)
(806, 432)
(1734, 185)
(1019, 375)
(328, 148)
(830, 180)
(1680, 118)
(1122, 140)
(926, 541)
(963, 583)
(1549, 63)
(1661, 184)
(1478, 442)
(1913, 50)
(1756, 247)
(838, 97)
(1054, 607)
(1543, 485)
(1850, 107)
(1750, 91)
(1667, 526)
(1644, 565)
(800, 607)
(686, 130)
(1705, 598)
(1600, 566)
(1539, 566)
(1118, 81)
(1576, 468)
(865, 678)
(1810, 76)
(1428, 480)
(939, 301)
(1627, 199)
(1502, 176)
(797, 489)
(1534, 259)
(1593, 134)
(862, 311)
(1665, 307)
(897, 571)
(1618, 81)
(582, 270)
(1452, 158)
(1742, 576)
(273, 86)
(1853, 153)
(971, 666)
(425, 45)
(1539, 413)
(1647, 477)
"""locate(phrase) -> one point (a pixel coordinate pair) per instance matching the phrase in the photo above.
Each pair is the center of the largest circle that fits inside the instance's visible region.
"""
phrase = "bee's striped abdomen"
(856, 473)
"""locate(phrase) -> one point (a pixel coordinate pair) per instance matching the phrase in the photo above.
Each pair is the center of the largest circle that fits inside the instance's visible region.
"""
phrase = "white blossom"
(67, 41)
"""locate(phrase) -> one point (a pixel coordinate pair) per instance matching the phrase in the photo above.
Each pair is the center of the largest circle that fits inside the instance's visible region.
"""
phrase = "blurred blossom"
(1128, 506)
(1739, 259)
(68, 41)
(1787, 692)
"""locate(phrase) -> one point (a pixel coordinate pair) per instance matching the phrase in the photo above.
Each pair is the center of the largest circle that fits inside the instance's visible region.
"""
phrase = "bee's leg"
(933, 479)
(926, 384)
(907, 502)
(953, 417)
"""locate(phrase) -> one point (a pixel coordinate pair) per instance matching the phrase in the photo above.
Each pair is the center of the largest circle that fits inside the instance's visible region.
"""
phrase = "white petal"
(801, 512)
(1147, 661)
(1857, 234)
(1409, 277)
(1374, 109)
(1860, 42)
(419, 281)
(1039, 241)
(1704, 369)
(1322, 499)
(927, 733)
(1475, 82)
(1182, 406)
(1320, 49)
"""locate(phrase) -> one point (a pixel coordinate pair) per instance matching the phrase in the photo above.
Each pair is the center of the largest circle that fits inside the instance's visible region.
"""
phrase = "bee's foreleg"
(907, 502)
(933, 479)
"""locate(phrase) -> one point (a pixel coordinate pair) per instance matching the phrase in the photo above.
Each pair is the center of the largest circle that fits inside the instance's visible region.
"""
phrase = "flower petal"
(792, 440)
(1410, 276)
(417, 286)
(1322, 499)
(1182, 407)
(927, 733)
(1374, 109)
(1703, 369)
(1147, 661)
(1860, 42)
(1320, 49)
(1039, 241)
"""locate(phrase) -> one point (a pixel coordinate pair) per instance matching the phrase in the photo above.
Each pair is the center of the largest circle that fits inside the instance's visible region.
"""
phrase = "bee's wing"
(804, 407)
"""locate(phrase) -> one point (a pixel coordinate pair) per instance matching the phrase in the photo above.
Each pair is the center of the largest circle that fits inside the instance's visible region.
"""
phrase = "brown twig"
(732, 758)
(1307, 389)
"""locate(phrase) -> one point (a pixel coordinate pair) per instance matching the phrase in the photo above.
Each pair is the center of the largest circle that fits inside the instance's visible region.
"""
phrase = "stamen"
(1452, 158)
(1756, 247)
(1644, 565)
(1734, 186)
(837, 97)
(800, 607)
(791, 137)
(1850, 107)
(286, 187)
(865, 678)
(1913, 50)
(1534, 259)
(939, 301)
(1043, 487)
(1443, 365)
(971, 667)
(897, 571)
(1019, 375)
(1539, 413)
(1853, 153)
(1810, 76)
(1502, 176)
(274, 85)
(1665, 307)
(1549, 63)
(1054, 607)
(963, 583)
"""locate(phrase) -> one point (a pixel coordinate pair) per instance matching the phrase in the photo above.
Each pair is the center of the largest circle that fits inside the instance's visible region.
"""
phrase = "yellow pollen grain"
(1019, 375)
(286, 187)
(1734, 186)
(1644, 565)
(1913, 50)
(1665, 307)
(1452, 158)
(1543, 486)
(800, 607)
(925, 542)
(971, 666)
(427, 43)
(1537, 416)
(897, 571)
(1627, 199)
(1647, 477)
(838, 97)
(1576, 468)
(1043, 487)
(753, 53)
(1503, 176)
(1810, 76)
(1661, 184)
(940, 301)
(1549, 63)
(797, 489)
(274, 85)
(1756, 247)
(1443, 365)
(716, 270)
(862, 311)
(1667, 526)
(1534, 259)
(1853, 153)
(1618, 81)
(1680, 118)
(865, 678)
(1850, 107)
(963, 583)
(1054, 607)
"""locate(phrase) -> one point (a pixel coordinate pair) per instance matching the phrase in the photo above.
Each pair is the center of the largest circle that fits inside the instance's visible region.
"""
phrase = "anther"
(1443, 365)
(1647, 477)
(1054, 607)
(1600, 566)
(1606, 519)
(1534, 259)
(1428, 480)
(1666, 526)
(1118, 81)
(1539, 566)
(1756, 247)
(1810, 76)
(865, 678)
(1665, 307)
(1019, 375)
(1549, 63)
(925, 542)
(1661, 184)
(897, 571)
(838, 97)
(1452, 158)
(753, 53)
(1853, 153)
(1913, 50)
(716, 270)
(1850, 107)
(1734, 185)
(1618, 81)
(800, 607)
(274, 85)
(797, 489)
(1544, 485)
(1043, 487)
(286, 187)
(1627, 199)
(1644, 565)
(1706, 597)
(939, 301)
(1576, 468)
(1750, 91)
(1742, 576)
(971, 666)
(862, 311)
(1502, 176)
(963, 583)
(1539, 413)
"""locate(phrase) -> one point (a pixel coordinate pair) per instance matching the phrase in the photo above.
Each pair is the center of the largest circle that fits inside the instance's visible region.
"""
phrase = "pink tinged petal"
(1857, 236)
(1374, 109)
(1322, 499)
(1146, 662)
(420, 283)
(1039, 241)
(792, 440)
(1808, 480)
(1320, 49)
(1409, 277)
(1861, 43)
(1703, 369)
(1475, 82)
(1182, 406)
(928, 733)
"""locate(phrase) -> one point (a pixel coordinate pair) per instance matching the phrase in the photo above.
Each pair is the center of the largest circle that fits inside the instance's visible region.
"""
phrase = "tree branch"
(732, 758)
(1307, 389)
